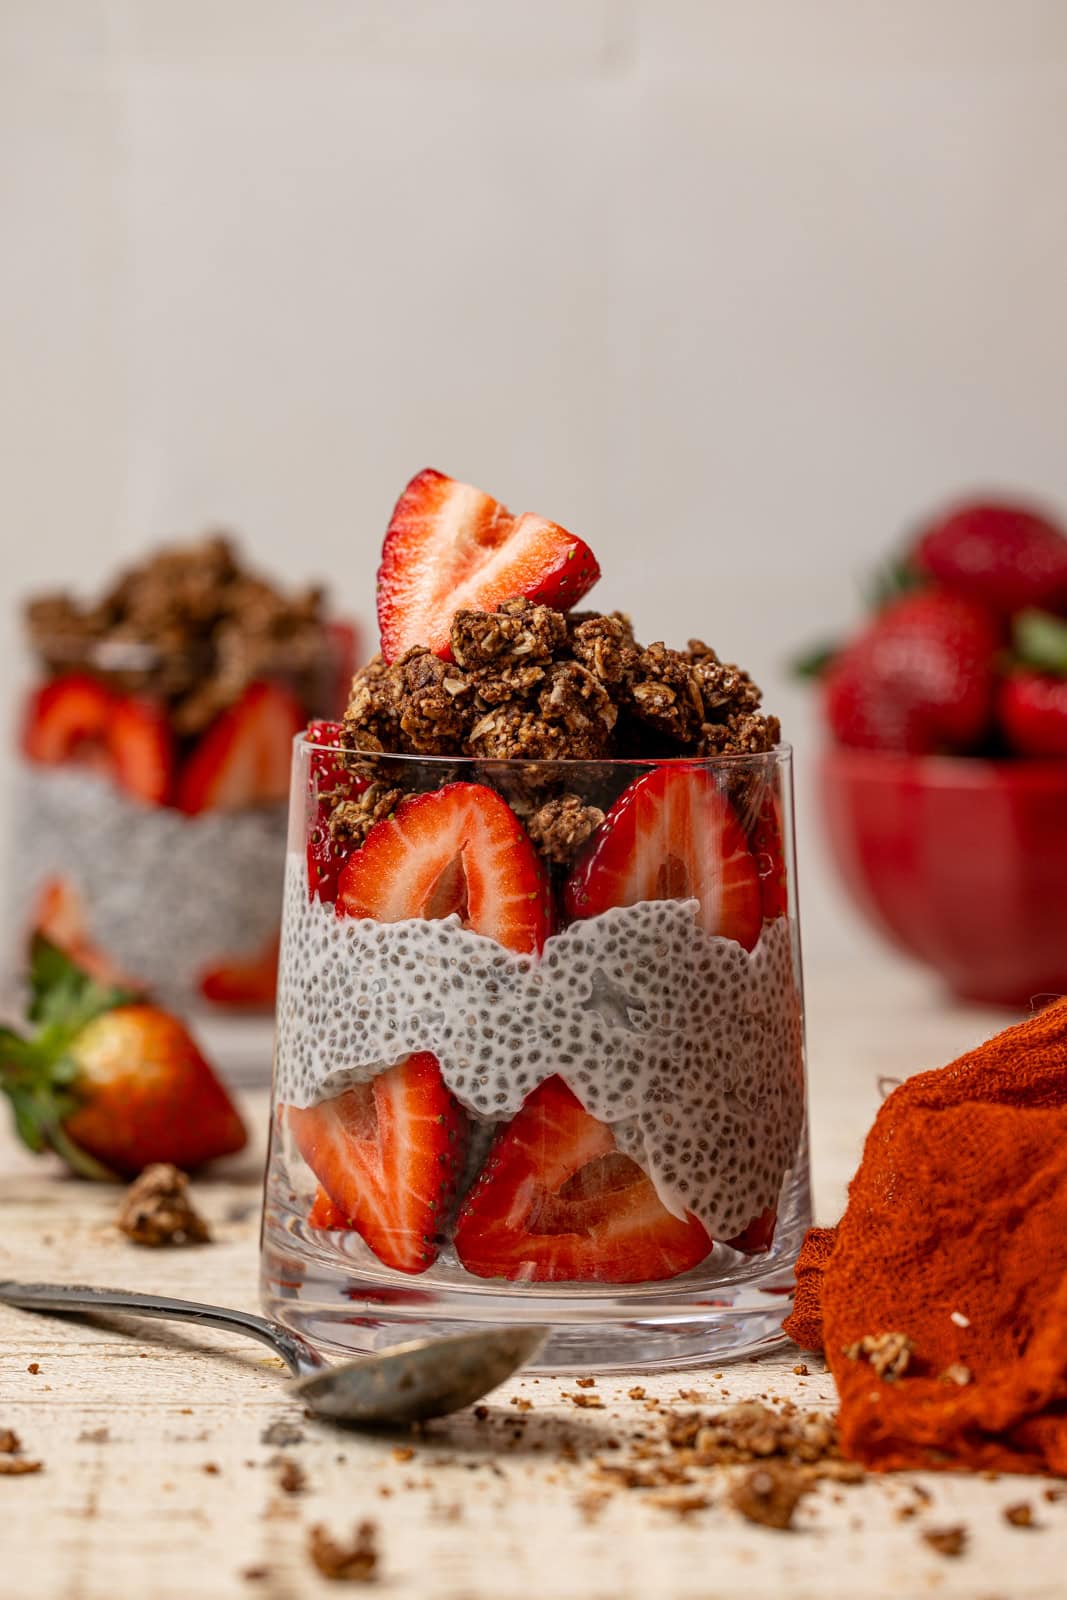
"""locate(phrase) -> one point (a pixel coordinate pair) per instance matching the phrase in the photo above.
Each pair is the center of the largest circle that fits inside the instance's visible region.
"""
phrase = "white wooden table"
(157, 1481)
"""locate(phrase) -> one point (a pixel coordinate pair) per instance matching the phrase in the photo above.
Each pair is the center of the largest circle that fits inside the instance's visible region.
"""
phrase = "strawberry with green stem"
(107, 1082)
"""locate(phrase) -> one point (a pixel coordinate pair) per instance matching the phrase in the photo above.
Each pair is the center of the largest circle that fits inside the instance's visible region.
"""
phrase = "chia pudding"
(539, 1012)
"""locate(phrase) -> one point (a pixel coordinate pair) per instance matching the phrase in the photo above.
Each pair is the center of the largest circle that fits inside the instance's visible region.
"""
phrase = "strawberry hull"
(497, 1075)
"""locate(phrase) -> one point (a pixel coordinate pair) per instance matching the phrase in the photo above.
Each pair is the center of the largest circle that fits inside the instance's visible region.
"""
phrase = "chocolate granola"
(525, 682)
(189, 625)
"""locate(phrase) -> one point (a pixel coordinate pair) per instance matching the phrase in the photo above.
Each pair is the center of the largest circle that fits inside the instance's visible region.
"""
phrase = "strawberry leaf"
(1040, 641)
(65, 998)
(816, 662)
(37, 1074)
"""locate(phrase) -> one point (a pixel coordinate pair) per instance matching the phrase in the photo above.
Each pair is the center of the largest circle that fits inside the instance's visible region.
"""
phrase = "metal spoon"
(406, 1383)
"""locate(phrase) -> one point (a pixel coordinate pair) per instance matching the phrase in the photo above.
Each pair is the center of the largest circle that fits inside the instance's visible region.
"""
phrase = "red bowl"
(961, 863)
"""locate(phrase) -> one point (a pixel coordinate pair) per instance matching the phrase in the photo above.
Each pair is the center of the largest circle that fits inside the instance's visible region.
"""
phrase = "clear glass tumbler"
(539, 1055)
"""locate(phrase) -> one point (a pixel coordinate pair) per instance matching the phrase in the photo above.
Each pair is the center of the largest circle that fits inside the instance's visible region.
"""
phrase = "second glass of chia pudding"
(149, 832)
(540, 1039)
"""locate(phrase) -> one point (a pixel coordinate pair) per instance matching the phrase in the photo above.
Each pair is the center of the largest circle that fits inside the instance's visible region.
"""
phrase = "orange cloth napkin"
(955, 1234)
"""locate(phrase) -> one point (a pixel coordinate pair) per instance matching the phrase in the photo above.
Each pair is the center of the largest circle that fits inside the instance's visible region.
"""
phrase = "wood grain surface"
(160, 1478)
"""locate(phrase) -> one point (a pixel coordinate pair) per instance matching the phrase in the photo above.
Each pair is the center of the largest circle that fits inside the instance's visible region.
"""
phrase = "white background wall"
(734, 290)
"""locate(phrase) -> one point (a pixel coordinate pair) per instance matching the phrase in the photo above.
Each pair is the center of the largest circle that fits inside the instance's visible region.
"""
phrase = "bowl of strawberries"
(944, 787)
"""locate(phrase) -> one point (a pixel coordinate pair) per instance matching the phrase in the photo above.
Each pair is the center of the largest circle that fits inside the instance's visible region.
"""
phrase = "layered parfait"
(149, 834)
(539, 1014)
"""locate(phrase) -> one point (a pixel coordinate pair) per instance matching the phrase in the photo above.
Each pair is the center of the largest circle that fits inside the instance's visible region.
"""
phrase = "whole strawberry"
(1032, 711)
(110, 1083)
(1003, 555)
(920, 678)
(1032, 700)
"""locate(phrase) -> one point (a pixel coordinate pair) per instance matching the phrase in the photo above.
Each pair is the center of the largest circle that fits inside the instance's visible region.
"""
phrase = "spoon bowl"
(409, 1382)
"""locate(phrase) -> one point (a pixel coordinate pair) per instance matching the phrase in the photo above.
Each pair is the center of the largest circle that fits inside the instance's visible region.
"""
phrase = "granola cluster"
(529, 683)
(190, 625)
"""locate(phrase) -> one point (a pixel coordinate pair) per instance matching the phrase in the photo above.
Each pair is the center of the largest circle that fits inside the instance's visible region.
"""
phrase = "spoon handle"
(297, 1354)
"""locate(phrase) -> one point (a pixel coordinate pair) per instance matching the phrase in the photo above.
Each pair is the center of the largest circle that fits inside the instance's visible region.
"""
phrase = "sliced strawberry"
(769, 854)
(243, 759)
(330, 782)
(557, 1202)
(141, 746)
(672, 836)
(249, 984)
(324, 1214)
(388, 1155)
(759, 1235)
(449, 546)
(76, 719)
(66, 720)
(460, 849)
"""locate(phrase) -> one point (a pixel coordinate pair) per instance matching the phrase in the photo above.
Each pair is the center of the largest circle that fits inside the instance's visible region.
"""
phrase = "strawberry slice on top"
(450, 546)
(243, 758)
(77, 719)
(672, 836)
(557, 1202)
(459, 849)
(387, 1155)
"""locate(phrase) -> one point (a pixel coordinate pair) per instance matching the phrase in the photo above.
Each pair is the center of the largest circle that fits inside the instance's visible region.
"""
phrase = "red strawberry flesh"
(75, 718)
(557, 1202)
(672, 835)
(244, 757)
(459, 849)
(330, 783)
(388, 1155)
(1032, 712)
(451, 546)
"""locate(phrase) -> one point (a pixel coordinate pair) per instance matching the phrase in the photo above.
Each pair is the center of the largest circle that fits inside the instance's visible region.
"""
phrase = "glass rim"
(782, 751)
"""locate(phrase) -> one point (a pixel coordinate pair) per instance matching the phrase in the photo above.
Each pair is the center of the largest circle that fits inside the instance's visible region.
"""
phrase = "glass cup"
(150, 841)
(539, 1055)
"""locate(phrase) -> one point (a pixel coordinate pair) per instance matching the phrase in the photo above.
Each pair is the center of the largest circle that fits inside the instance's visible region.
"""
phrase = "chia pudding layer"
(166, 896)
(687, 1045)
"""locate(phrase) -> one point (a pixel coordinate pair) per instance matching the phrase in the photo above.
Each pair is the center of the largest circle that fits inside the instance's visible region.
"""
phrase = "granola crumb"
(281, 1434)
(292, 1479)
(255, 1574)
(591, 1502)
(403, 1452)
(356, 1562)
(1054, 1493)
(212, 1469)
(34, 1368)
(156, 1209)
(563, 826)
(957, 1373)
(13, 1464)
(1020, 1515)
(636, 1393)
(587, 1402)
(522, 1405)
(946, 1541)
(682, 1503)
(888, 1354)
(769, 1494)
(481, 1413)
(585, 1383)
(801, 1369)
